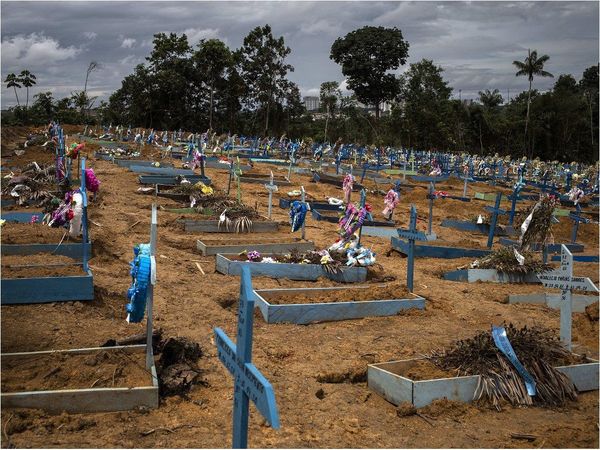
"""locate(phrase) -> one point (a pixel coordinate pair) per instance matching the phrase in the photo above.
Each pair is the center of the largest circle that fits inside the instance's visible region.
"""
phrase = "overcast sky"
(475, 42)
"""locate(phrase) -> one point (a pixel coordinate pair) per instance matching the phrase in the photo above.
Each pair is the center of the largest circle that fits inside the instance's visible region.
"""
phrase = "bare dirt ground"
(295, 359)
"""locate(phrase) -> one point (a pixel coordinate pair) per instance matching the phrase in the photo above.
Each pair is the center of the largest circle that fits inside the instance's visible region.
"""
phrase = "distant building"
(311, 103)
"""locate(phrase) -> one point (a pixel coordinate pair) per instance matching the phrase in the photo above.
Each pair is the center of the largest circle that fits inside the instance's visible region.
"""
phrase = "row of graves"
(520, 366)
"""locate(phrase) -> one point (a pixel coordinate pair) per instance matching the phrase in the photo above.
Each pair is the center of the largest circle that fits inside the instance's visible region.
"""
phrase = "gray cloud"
(475, 42)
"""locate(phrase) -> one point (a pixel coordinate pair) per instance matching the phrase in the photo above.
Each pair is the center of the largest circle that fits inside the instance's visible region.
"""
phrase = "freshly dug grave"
(36, 233)
(424, 369)
(104, 369)
(389, 292)
(45, 263)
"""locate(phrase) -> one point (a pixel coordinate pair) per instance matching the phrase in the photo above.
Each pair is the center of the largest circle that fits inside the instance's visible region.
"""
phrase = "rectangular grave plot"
(305, 313)
(262, 245)
(47, 289)
(387, 381)
(212, 226)
(334, 217)
(301, 272)
(490, 275)
(434, 251)
(261, 178)
(89, 399)
(171, 180)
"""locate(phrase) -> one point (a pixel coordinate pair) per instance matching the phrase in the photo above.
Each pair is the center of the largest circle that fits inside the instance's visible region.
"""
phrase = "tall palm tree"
(490, 99)
(28, 80)
(532, 65)
(12, 81)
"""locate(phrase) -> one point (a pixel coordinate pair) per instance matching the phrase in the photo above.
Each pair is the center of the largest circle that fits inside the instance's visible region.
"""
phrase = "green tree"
(28, 80)
(490, 99)
(589, 86)
(530, 67)
(366, 56)
(212, 59)
(263, 69)
(12, 81)
(426, 98)
(43, 105)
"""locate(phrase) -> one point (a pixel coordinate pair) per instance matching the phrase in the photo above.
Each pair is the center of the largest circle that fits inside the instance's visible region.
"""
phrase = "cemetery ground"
(298, 360)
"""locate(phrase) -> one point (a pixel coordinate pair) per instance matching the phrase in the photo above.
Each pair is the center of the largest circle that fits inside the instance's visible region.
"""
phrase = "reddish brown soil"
(106, 368)
(345, 295)
(34, 233)
(313, 413)
(11, 266)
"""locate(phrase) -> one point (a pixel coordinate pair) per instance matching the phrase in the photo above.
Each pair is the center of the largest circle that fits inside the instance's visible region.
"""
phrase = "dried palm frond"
(540, 227)
(538, 349)
(242, 224)
(504, 260)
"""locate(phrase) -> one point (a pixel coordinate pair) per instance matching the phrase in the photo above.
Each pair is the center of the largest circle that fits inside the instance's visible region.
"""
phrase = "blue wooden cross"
(250, 384)
(514, 198)
(569, 180)
(495, 212)
(411, 235)
(576, 217)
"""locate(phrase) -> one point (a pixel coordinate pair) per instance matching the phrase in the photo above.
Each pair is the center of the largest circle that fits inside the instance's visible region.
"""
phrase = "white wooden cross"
(271, 187)
(564, 280)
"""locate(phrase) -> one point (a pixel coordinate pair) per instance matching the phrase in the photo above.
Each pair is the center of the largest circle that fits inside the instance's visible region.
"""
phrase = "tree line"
(247, 91)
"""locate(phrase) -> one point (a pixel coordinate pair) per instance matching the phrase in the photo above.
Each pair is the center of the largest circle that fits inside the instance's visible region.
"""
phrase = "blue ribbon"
(297, 214)
(503, 344)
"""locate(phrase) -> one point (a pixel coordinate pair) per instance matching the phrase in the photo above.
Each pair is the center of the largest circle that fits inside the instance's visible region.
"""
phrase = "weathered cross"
(411, 235)
(495, 212)
(250, 384)
(514, 198)
(564, 280)
(431, 198)
(576, 217)
(271, 187)
(238, 174)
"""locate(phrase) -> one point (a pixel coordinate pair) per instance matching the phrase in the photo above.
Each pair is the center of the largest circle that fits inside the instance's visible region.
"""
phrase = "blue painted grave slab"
(249, 383)
(303, 314)
(151, 170)
(47, 289)
(334, 180)
(579, 258)
(171, 180)
(322, 206)
(6, 202)
(385, 232)
(433, 251)
(551, 248)
(472, 227)
(303, 272)
(427, 179)
(322, 215)
(140, 163)
(21, 217)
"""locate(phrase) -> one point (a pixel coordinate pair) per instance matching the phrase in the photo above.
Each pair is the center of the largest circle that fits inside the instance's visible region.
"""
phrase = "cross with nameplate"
(495, 212)
(576, 217)
(249, 383)
(564, 280)
(271, 187)
(411, 235)
(238, 174)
